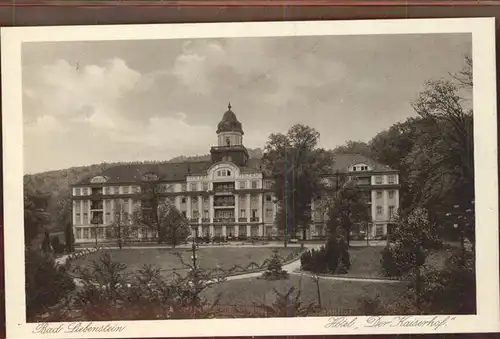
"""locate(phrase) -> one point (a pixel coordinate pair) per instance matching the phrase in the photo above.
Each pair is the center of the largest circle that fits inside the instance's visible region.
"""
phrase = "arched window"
(228, 141)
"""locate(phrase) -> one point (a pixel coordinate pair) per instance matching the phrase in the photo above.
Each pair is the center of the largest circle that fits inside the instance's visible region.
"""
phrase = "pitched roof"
(179, 170)
(165, 171)
(342, 162)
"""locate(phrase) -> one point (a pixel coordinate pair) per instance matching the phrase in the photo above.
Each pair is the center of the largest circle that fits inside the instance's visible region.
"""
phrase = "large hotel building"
(226, 196)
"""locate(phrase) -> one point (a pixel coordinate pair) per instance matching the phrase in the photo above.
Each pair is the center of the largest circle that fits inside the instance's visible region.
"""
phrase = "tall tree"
(297, 167)
(445, 160)
(392, 146)
(121, 225)
(349, 207)
(173, 226)
(35, 215)
(63, 219)
(147, 213)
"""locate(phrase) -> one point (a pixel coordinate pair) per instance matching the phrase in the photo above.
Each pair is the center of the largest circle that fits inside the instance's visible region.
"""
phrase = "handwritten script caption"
(47, 328)
(434, 322)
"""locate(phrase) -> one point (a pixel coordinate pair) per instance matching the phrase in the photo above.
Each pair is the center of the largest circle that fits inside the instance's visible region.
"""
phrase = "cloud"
(160, 99)
(85, 103)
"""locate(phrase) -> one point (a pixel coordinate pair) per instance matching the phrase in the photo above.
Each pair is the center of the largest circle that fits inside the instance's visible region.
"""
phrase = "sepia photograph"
(232, 175)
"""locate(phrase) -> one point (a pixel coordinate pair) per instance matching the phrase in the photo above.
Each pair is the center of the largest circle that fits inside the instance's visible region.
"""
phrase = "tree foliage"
(353, 147)
(173, 226)
(443, 163)
(275, 269)
(434, 151)
(47, 283)
(289, 304)
(297, 166)
(406, 249)
(110, 293)
(331, 258)
(35, 215)
(122, 223)
(450, 290)
(161, 216)
(349, 207)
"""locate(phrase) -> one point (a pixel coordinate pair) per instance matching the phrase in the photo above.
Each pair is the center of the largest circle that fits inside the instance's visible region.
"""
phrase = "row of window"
(230, 213)
(107, 190)
(164, 188)
(102, 218)
(379, 194)
(89, 233)
(379, 179)
(194, 186)
(380, 210)
(122, 204)
(360, 168)
(254, 184)
(241, 199)
(231, 230)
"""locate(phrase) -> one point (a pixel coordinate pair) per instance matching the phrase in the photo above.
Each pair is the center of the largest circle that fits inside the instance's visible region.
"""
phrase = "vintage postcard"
(280, 178)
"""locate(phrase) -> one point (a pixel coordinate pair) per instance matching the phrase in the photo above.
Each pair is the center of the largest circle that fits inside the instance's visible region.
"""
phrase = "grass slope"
(339, 297)
(208, 258)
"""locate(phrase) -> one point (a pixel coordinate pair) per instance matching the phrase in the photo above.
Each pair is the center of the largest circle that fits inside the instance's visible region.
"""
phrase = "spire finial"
(229, 106)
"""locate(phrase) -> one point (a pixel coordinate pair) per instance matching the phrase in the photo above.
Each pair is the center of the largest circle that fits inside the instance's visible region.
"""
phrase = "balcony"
(194, 220)
(224, 204)
(242, 219)
(97, 221)
(224, 189)
(254, 219)
(221, 220)
(97, 206)
(205, 219)
(96, 196)
(225, 148)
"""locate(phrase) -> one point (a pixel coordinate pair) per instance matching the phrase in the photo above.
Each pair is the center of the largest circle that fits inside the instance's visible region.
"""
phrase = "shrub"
(108, 293)
(57, 246)
(274, 268)
(288, 305)
(218, 239)
(398, 259)
(389, 267)
(46, 283)
(328, 258)
(406, 250)
(451, 290)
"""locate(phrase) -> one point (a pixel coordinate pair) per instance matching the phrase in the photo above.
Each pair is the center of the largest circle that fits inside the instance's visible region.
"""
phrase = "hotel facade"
(227, 196)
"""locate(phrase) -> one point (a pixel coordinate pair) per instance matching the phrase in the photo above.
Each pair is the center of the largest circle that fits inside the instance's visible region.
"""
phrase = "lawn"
(208, 258)
(340, 297)
(365, 262)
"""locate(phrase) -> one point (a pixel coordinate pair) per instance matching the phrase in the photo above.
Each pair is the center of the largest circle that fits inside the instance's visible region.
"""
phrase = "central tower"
(229, 140)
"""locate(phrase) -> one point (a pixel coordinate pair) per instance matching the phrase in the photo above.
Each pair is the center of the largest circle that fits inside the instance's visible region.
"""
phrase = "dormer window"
(360, 168)
(224, 173)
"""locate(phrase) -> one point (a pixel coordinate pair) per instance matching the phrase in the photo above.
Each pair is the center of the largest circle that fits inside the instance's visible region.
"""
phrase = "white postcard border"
(485, 148)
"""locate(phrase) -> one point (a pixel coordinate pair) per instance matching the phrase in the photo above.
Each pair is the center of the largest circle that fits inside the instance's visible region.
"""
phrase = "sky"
(107, 101)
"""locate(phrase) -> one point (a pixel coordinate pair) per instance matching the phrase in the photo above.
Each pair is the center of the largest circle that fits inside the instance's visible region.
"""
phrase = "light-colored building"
(227, 195)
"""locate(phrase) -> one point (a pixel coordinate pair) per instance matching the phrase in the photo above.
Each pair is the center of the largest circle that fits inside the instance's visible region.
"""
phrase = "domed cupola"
(229, 140)
(229, 122)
